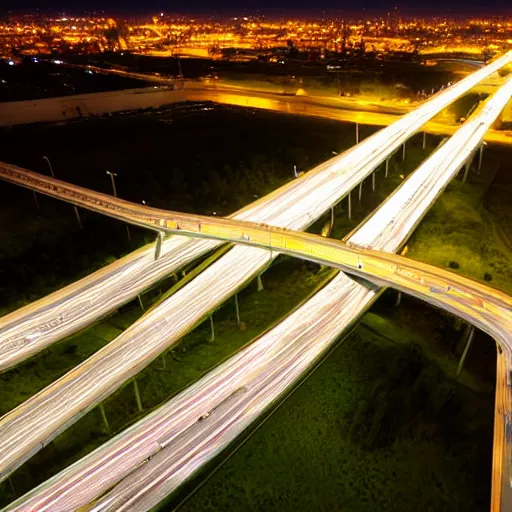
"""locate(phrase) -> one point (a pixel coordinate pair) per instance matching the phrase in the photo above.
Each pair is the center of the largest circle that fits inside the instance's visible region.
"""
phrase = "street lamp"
(49, 165)
(112, 179)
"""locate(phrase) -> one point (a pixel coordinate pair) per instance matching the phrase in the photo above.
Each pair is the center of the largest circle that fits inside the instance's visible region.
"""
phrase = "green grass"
(395, 326)
(302, 458)
(460, 234)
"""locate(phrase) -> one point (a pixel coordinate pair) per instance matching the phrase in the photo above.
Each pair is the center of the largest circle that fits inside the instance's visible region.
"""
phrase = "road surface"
(171, 444)
(113, 364)
(27, 331)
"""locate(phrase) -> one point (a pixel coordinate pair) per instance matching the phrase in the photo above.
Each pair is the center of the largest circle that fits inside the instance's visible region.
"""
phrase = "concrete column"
(357, 133)
(360, 191)
(403, 152)
(237, 308)
(398, 299)
(137, 395)
(79, 220)
(12, 487)
(480, 156)
(104, 416)
(158, 244)
(424, 145)
(128, 233)
(466, 171)
(332, 219)
(387, 168)
(260, 283)
(466, 350)
(373, 181)
(140, 302)
(350, 204)
(212, 337)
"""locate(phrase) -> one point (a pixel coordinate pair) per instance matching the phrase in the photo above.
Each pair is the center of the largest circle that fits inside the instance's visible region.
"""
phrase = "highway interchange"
(30, 329)
(325, 251)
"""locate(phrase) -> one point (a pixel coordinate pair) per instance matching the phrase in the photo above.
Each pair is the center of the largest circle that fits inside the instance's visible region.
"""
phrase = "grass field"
(468, 229)
(306, 456)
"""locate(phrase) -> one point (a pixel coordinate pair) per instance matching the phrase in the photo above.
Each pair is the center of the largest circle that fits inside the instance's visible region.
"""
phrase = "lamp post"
(50, 166)
(112, 179)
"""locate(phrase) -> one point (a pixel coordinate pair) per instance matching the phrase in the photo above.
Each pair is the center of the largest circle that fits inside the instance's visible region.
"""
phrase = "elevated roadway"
(27, 331)
(475, 302)
(272, 238)
(171, 443)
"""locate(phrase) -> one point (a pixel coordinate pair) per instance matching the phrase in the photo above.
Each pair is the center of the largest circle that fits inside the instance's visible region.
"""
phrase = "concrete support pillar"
(212, 336)
(128, 233)
(480, 156)
(77, 215)
(398, 298)
(237, 308)
(373, 181)
(164, 360)
(13, 490)
(403, 152)
(332, 219)
(140, 302)
(470, 335)
(357, 133)
(137, 395)
(104, 417)
(360, 191)
(350, 204)
(466, 171)
(387, 168)
(260, 283)
(36, 200)
(424, 145)
(158, 244)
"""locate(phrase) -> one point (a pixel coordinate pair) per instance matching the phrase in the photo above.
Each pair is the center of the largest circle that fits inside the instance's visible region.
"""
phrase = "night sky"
(415, 7)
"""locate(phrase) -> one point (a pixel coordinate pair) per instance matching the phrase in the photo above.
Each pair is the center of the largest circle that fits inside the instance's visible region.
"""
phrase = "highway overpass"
(25, 332)
(72, 484)
(485, 307)
(245, 233)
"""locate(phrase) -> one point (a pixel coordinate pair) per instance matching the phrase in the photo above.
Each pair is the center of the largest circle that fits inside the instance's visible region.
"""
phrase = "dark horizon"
(288, 8)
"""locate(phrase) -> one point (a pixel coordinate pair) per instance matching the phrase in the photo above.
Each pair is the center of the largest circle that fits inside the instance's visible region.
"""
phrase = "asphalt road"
(355, 110)
(319, 322)
(153, 457)
(28, 330)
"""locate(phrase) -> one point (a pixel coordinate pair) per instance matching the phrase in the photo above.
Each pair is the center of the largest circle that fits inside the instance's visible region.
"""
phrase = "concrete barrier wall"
(81, 105)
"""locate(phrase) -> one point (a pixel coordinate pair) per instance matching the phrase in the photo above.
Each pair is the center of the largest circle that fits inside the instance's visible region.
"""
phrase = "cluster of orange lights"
(163, 34)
